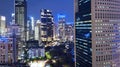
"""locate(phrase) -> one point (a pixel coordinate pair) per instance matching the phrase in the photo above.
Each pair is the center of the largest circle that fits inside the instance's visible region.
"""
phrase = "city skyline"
(34, 11)
(33, 38)
(40, 34)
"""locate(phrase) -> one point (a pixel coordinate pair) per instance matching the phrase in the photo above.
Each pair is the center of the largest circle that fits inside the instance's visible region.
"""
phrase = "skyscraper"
(2, 25)
(30, 28)
(46, 25)
(21, 20)
(69, 31)
(97, 33)
(21, 16)
(61, 27)
(55, 31)
(37, 30)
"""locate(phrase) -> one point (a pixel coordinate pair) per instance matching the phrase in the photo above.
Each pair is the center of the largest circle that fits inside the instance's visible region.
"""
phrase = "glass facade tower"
(97, 33)
(47, 25)
(21, 16)
(83, 34)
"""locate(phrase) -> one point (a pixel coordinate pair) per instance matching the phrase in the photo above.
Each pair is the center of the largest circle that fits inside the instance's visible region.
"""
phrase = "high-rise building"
(97, 33)
(21, 20)
(69, 31)
(46, 25)
(21, 16)
(61, 27)
(55, 31)
(37, 31)
(30, 28)
(2, 25)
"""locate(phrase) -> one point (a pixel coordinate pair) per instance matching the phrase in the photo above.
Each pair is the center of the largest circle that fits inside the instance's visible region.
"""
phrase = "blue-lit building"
(83, 35)
(97, 33)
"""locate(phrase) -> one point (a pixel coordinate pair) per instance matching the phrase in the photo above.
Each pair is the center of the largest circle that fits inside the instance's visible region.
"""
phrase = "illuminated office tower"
(55, 31)
(2, 25)
(30, 28)
(37, 30)
(32, 23)
(97, 24)
(69, 31)
(21, 16)
(21, 20)
(46, 26)
(61, 27)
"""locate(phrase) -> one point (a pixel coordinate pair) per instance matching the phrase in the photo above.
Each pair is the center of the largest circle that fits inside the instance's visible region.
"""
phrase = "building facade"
(13, 31)
(35, 50)
(21, 20)
(46, 26)
(97, 33)
(30, 28)
(61, 27)
(21, 16)
(6, 51)
(38, 30)
(2, 25)
(69, 31)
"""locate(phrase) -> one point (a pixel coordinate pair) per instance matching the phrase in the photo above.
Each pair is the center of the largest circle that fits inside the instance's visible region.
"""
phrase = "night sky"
(57, 6)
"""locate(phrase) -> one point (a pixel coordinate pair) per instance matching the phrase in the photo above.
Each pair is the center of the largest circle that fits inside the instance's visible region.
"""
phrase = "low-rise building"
(6, 51)
(34, 50)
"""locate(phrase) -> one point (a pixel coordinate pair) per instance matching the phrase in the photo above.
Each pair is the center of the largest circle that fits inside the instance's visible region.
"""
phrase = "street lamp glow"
(37, 64)
(34, 64)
